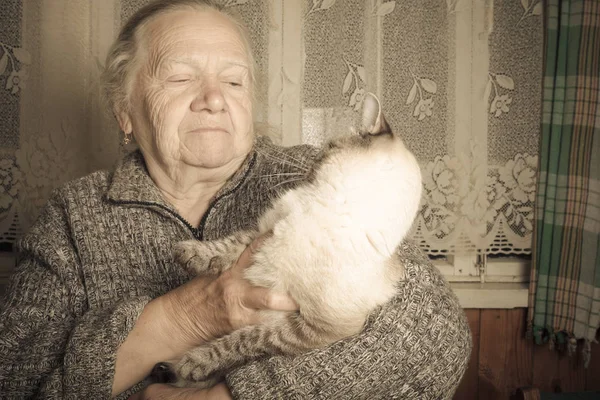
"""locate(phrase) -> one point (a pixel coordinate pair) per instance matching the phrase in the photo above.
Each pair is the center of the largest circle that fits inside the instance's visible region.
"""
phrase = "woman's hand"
(202, 309)
(160, 391)
(199, 311)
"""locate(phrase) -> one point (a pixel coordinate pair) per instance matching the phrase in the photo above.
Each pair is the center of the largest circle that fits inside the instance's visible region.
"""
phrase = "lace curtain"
(459, 80)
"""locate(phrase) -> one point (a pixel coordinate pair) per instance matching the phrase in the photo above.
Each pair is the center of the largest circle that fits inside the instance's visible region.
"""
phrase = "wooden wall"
(503, 360)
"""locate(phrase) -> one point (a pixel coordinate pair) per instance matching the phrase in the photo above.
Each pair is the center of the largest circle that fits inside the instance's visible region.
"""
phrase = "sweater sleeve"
(51, 344)
(415, 347)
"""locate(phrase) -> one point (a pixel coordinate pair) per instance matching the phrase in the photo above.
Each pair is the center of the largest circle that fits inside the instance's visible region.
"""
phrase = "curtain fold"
(564, 300)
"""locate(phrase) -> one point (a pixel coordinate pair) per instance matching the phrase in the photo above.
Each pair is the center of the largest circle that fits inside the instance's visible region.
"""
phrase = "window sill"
(491, 295)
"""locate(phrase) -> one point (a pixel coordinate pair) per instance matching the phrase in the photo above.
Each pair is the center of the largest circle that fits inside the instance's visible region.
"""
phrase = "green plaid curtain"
(564, 295)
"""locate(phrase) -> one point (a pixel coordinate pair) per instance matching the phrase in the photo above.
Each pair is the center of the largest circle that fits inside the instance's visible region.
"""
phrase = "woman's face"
(191, 95)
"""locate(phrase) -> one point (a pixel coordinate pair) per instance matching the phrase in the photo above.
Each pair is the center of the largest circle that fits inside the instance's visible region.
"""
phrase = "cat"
(332, 248)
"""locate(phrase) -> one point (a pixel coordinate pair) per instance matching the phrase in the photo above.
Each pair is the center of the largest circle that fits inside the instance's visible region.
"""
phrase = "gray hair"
(116, 79)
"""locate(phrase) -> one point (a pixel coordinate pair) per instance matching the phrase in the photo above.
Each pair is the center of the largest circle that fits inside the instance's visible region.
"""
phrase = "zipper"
(198, 233)
(195, 231)
(233, 189)
(216, 200)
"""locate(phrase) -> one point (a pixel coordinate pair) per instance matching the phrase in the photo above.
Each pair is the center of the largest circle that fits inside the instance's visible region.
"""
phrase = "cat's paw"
(192, 255)
(196, 365)
(218, 264)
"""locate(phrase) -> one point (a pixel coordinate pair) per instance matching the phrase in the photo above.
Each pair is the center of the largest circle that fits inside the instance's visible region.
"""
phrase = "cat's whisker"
(285, 182)
(281, 174)
(297, 164)
(281, 160)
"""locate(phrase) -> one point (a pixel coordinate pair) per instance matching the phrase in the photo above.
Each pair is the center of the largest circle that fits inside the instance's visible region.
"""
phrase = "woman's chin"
(213, 151)
(208, 153)
(208, 160)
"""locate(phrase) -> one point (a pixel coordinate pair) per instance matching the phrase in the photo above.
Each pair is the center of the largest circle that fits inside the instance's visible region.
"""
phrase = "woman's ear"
(124, 121)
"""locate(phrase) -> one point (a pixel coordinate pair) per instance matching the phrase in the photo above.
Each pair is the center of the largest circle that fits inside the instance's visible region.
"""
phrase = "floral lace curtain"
(459, 80)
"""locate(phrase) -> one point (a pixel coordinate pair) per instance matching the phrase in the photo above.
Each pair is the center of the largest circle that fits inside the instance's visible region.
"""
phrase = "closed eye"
(179, 78)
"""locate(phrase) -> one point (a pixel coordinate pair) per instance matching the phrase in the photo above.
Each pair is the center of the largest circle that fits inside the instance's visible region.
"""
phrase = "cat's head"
(373, 170)
(375, 146)
(374, 125)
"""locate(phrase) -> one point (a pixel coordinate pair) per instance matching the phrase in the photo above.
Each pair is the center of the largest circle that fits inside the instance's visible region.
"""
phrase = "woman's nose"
(209, 99)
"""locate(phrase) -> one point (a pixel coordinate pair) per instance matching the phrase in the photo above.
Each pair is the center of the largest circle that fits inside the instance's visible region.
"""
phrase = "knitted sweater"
(101, 250)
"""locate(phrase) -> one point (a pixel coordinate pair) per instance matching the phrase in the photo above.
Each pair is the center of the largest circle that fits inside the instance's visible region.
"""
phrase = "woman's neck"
(190, 189)
(193, 204)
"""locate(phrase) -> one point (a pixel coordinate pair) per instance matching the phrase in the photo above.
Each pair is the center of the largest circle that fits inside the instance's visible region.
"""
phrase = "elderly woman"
(96, 300)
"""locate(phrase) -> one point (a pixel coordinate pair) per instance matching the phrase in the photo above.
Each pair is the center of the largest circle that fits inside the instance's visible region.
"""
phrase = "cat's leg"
(212, 257)
(163, 373)
(289, 335)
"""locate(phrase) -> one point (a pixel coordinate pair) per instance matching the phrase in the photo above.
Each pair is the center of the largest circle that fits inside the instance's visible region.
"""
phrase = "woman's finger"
(245, 259)
(262, 298)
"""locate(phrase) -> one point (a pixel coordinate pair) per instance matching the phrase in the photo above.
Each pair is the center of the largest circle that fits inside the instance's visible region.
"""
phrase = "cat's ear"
(373, 121)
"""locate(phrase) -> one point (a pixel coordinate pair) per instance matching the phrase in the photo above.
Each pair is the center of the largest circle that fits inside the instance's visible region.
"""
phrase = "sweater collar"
(131, 182)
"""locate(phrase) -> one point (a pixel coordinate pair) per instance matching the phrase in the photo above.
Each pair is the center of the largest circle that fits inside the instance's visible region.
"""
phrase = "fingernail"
(256, 243)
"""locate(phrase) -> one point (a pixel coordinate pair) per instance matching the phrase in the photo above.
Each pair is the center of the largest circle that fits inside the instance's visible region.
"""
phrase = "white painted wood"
(491, 295)
(506, 282)
(464, 265)
(275, 91)
(446, 268)
(373, 49)
(464, 269)
(292, 72)
(489, 279)
(508, 267)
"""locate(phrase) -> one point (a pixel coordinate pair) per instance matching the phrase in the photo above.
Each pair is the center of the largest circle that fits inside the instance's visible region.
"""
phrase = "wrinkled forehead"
(192, 32)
